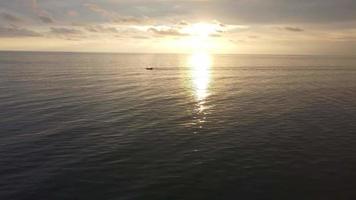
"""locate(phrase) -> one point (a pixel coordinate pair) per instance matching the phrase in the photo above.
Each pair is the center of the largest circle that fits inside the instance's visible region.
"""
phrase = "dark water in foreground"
(99, 126)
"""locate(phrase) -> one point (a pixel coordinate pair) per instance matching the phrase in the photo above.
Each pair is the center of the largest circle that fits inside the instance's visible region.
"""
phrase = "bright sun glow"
(200, 39)
(202, 30)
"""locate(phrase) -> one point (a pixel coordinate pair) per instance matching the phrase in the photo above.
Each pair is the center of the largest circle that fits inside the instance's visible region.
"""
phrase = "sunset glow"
(202, 30)
(177, 99)
(188, 26)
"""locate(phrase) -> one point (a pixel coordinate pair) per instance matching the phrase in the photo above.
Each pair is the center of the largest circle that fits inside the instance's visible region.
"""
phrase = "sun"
(202, 30)
(200, 39)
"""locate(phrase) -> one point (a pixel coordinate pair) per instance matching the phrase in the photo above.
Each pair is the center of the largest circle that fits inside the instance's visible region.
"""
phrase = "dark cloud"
(183, 23)
(11, 18)
(141, 37)
(43, 15)
(215, 35)
(15, 32)
(240, 11)
(114, 17)
(79, 24)
(97, 9)
(101, 29)
(283, 11)
(294, 29)
(66, 31)
(230, 11)
(128, 20)
(347, 38)
(46, 19)
(167, 32)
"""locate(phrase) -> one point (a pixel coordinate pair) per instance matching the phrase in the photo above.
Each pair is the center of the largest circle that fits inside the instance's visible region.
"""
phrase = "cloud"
(240, 11)
(230, 11)
(190, 28)
(282, 11)
(215, 35)
(114, 17)
(166, 31)
(347, 38)
(183, 23)
(66, 31)
(129, 20)
(101, 29)
(294, 29)
(315, 21)
(42, 14)
(46, 19)
(15, 32)
(140, 37)
(11, 18)
(97, 9)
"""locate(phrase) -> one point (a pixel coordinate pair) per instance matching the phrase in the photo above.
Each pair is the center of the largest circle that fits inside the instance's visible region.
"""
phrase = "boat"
(149, 68)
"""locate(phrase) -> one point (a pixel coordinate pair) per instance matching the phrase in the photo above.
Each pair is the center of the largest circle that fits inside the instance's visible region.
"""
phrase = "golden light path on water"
(200, 65)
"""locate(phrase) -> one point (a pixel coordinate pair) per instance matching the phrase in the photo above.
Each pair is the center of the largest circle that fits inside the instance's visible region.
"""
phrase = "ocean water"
(100, 126)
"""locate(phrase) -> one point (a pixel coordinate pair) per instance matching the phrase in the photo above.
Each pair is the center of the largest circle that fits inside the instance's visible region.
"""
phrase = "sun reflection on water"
(200, 64)
(199, 75)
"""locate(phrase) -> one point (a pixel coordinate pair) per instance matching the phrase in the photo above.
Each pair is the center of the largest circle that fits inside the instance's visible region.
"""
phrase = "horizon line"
(161, 53)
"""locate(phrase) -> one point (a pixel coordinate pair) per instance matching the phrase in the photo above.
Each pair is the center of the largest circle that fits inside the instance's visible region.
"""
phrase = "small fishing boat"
(149, 68)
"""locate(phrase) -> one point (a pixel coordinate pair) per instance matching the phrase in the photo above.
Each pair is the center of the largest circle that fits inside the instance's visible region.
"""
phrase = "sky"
(180, 26)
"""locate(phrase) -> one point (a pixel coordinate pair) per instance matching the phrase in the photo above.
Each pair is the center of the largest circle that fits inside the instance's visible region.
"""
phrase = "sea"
(195, 126)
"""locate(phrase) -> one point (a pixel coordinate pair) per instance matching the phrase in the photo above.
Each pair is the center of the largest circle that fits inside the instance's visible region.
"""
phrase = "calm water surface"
(100, 126)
